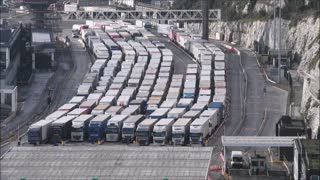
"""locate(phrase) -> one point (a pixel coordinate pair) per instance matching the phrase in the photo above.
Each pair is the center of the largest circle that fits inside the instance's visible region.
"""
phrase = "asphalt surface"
(235, 84)
(273, 101)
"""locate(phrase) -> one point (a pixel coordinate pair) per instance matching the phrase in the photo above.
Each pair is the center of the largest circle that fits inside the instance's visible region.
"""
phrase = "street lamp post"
(279, 41)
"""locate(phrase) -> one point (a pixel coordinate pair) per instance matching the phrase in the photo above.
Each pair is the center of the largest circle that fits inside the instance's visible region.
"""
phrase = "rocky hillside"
(301, 34)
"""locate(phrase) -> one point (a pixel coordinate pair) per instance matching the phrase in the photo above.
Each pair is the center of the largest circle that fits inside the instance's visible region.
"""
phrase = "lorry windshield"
(112, 130)
(77, 129)
(178, 135)
(56, 130)
(142, 133)
(159, 134)
(34, 133)
(94, 130)
(127, 131)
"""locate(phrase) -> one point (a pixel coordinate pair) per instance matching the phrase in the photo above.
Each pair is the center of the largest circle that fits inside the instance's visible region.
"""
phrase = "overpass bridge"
(132, 15)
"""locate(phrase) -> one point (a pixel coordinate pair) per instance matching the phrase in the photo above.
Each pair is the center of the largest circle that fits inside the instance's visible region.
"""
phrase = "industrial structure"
(132, 15)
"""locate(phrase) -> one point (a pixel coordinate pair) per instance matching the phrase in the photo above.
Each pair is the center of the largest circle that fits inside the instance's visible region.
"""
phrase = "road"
(72, 65)
(273, 101)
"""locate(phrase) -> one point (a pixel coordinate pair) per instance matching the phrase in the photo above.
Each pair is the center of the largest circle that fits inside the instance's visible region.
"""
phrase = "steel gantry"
(132, 15)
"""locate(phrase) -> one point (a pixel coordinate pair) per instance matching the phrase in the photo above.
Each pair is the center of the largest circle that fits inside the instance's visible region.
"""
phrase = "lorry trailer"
(199, 131)
(114, 128)
(162, 131)
(79, 130)
(129, 127)
(61, 129)
(38, 132)
(144, 131)
(181, 131)
(97, 127)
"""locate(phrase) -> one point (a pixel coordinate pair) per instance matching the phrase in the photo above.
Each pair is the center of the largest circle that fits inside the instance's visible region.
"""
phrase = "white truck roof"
(190, 114)
(77, 111)
(88, 103)
(160, 112)
(82, 118)
(67, 107)
(118, 118)
(94, 96)
(198, 106)
(133, 119)
(182, 122)
(208, 113)
(164, 122)
(114, 109)
(56, 115)
(199, 121)
(76, 99)
(40, 123)
(168, 104)
(147, 122)
(101, 117)
(130, 109)
(185, 101)
(63, 120)
(177, 111)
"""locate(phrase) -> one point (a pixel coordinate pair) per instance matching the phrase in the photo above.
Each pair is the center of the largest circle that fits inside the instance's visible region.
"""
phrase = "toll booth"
(245, 142)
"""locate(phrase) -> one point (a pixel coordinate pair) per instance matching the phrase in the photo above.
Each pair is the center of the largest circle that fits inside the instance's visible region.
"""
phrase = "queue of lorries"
(130, 93)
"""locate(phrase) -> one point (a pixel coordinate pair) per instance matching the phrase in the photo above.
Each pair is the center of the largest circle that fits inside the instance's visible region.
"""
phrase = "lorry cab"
(114, 127)
(79, 130)
(97, 127)
(39, 132)
(144, 131)
(181, 131)
(199, 131)
(130, 126)
(162, 131)
(237, 160)
(61, 129)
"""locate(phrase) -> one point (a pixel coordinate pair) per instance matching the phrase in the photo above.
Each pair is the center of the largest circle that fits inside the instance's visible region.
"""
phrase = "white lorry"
(162, 131)
(144, 131)
(79, 130)
(199, 131)
(39, 132)
(181, 131)
(212, 115)
(114, 127)
(129, 127)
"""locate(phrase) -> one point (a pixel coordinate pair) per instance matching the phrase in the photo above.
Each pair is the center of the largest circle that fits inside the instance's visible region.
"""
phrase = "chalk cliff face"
(302, 38)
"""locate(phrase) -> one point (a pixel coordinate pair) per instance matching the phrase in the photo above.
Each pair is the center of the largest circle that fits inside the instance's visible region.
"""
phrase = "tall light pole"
(279, 41)
(205, 19)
